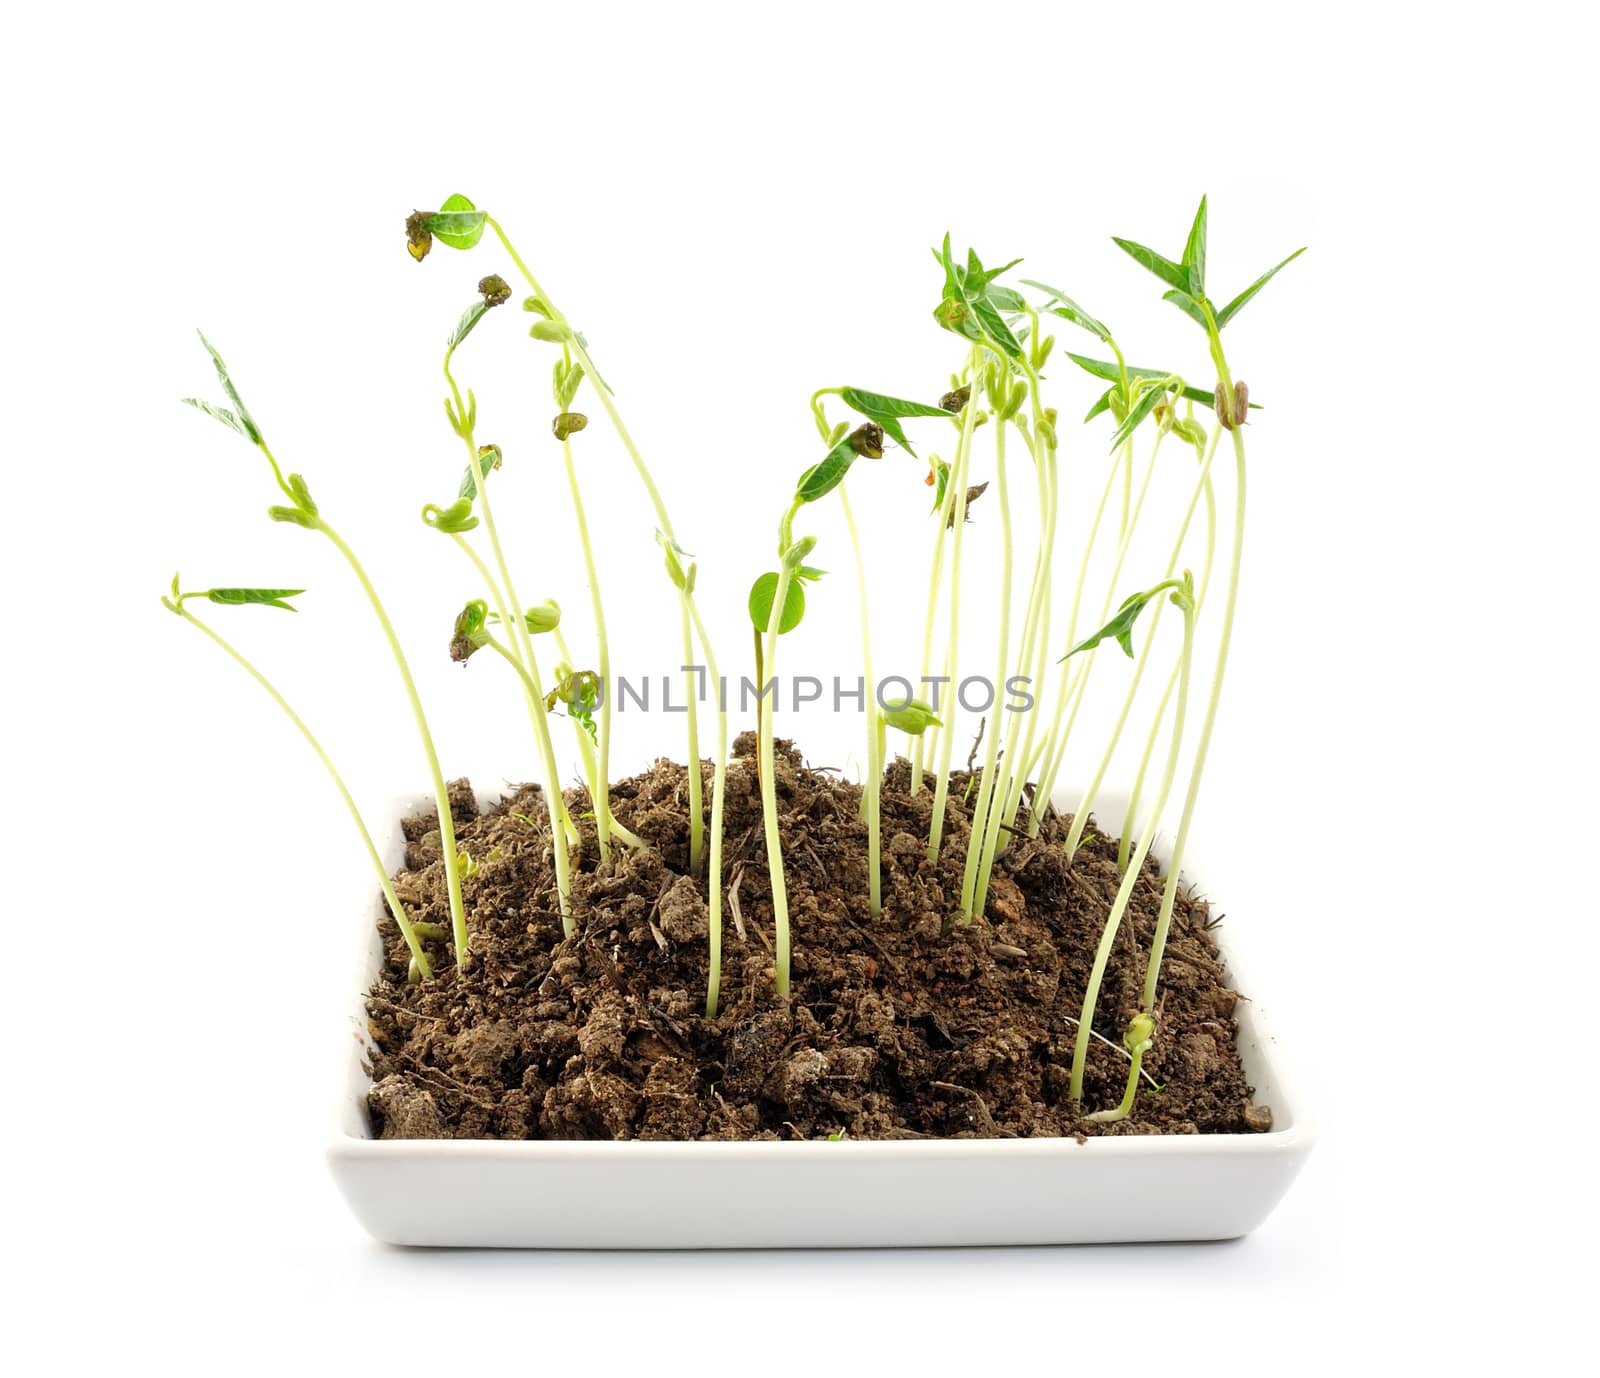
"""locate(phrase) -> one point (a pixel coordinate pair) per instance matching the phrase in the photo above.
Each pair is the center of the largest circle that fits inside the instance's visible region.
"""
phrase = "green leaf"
(1120, 627)
(916, 717)
(952, 281)
(1007, 299)
(763, 591)
(1194, 252)
(1238, 304)
(810, 573)
(451, 520)
(994, 326)
(680, 564)
(1069, 310)
(1100, 368)
(1104, 404)
(251, 430)
(941, 482)
(978, 277)
(221, 414)
(292, 515)
(469, 318)
(238, 598)
(487, 461)
(1173, 274)
(823, 478)
(1189, 306)
(887, 411)
(1153, 396)
(458, 223)
(302, 495)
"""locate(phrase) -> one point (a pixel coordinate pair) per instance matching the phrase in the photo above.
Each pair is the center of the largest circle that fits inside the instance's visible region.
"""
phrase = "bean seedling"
(1040, 673)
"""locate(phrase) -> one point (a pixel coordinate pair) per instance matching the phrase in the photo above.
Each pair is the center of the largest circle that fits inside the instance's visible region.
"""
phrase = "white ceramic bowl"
(654, 1195)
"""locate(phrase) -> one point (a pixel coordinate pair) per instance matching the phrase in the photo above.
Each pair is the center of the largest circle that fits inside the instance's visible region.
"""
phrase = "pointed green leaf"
(1238, 304)
(1147, 403)
(487, 461)
(1188, 305)
(886, 411)
(952, 283)
(238, 598)
(763, 591)
(681, 567)
(810, 573)
(1104, 404)
(1119, 627)
(1194, 252)
(1006, 299)
(1069, 310)
(251, 430)
(994, 326)
(221, 414)
(469, 318)
(823, 478)
(1173, 274)
(1101, 368)
(979, 281)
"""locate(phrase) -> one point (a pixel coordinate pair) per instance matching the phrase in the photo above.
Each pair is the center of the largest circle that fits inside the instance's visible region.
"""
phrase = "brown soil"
(908, 1027)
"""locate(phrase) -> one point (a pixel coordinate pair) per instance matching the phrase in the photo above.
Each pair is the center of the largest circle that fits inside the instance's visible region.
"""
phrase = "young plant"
(884, 417)
(421, 968)
(1120, 628)
(303, 512)
(459, 224)
(482, 460)
(1186, 280)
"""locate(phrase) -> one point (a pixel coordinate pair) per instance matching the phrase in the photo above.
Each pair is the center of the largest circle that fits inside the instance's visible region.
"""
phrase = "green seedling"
(302, 511)
(414, 934)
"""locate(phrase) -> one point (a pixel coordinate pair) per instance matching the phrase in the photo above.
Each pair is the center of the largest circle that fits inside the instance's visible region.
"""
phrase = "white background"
(734, 204)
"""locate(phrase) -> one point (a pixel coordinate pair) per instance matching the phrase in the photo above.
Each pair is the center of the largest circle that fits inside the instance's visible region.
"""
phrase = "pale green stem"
(1129, 822)
(987, 802)
(1080, 816)
(407, 930)
(604, 823)
(958, 476)
(697, 822)
(1081, 686)
(1130, 1092)
(532, 691)
(1013, 759)
(1197, 768)
(581, 353)
(1130, 879)
(517, 630)
(1046, 752)
(769, 787)
(441, 794)
(936, 569)
(1041, 644)
(719, 791)
(874, 773)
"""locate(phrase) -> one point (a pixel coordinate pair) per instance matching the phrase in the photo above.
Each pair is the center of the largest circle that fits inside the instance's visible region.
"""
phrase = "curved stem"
(517, 631)
(441, 794)
(580, 351)
(532, 695)
(407, 930)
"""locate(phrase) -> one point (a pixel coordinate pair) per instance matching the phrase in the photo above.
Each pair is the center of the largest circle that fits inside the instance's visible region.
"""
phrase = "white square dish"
(849, 1194)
